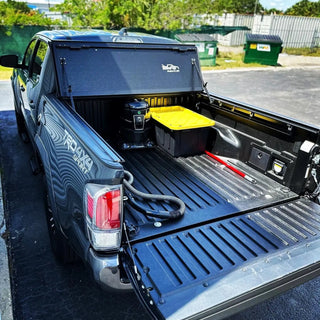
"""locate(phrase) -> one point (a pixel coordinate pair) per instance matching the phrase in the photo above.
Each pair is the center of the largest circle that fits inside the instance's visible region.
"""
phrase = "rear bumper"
(106, 271)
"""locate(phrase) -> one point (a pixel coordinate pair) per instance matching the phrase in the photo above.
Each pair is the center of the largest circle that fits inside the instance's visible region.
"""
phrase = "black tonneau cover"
(219, 268)
(104, 69)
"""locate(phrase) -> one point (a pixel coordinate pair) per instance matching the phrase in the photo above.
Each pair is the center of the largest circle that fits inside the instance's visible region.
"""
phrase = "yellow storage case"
(180, 118)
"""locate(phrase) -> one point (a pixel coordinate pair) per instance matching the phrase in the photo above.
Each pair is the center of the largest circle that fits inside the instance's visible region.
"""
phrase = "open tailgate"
(220, 268)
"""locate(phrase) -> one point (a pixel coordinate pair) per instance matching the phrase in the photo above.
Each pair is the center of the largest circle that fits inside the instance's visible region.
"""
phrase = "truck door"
(30, 82)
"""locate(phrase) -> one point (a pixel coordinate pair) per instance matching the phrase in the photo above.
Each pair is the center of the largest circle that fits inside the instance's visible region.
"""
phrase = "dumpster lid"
(195, 37)
(268, 38)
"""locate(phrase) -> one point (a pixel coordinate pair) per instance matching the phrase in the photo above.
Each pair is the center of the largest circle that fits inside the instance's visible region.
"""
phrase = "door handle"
(31, 104)
(22, 88)
(41, 118)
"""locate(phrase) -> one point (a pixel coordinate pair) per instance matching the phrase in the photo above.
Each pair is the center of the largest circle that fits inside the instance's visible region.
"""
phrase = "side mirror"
(10, 61)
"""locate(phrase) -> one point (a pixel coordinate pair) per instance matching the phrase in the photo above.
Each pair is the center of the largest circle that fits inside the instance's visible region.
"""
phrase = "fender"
(41, 152)
(17, 104)
(83, 248)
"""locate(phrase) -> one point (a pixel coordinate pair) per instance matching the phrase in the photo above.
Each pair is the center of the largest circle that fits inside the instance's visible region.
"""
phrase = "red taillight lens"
(90, 205)
(108, 210)
(104, 208)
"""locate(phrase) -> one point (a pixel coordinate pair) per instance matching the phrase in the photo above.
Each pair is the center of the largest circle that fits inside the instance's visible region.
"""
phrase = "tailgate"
(223, 267)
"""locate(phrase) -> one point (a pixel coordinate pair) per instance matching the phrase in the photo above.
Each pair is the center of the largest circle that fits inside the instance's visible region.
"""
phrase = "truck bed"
(210, 191)
(219, 258)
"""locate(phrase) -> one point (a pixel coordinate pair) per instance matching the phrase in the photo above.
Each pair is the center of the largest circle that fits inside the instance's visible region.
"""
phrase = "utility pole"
(255, 7)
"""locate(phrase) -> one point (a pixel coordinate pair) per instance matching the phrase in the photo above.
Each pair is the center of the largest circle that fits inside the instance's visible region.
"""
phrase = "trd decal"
(82, 159)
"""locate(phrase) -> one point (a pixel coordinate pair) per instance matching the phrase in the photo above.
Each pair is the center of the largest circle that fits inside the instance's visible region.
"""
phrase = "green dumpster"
(263, 49)
(207, 46)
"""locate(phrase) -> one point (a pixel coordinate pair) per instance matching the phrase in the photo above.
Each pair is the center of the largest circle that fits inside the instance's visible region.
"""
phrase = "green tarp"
(14, 39)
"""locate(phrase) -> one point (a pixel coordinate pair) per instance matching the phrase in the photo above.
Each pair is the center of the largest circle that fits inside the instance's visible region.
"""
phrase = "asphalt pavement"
(43, 289)
(5, 289)
(293, 92)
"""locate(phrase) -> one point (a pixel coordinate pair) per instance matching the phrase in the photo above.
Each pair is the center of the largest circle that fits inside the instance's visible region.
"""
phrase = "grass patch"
(226, 60)
(5, 73)
(303, 51)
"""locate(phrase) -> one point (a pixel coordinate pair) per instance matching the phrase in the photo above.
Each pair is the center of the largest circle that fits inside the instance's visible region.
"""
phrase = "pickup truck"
(201, 204)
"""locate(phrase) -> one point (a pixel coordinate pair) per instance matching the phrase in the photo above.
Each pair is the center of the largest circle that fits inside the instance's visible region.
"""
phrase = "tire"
(59, 245)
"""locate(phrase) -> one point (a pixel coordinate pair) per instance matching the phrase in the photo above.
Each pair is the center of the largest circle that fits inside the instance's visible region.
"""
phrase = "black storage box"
(180, 131)
(183, 142)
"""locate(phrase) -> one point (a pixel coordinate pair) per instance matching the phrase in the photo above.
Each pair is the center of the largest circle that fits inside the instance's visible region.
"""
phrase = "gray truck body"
(251, 224)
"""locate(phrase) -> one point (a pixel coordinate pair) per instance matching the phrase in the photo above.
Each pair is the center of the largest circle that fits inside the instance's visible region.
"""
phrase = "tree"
(237, 6)
(175, 14)
(155, 14)
(152, 14)
(305, 8)
(18, 6)
(274, 11)
(103, 13)
(18, 13)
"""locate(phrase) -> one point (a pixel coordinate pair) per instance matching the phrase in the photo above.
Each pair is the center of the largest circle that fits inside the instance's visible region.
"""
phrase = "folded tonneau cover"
(216, 268)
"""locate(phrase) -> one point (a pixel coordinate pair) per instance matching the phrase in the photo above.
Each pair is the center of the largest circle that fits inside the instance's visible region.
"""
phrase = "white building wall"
(295, 32)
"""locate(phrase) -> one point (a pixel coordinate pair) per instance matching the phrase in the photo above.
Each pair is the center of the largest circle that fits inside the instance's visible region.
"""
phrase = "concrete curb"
(285, 61)
(267, 68)
(5, 292)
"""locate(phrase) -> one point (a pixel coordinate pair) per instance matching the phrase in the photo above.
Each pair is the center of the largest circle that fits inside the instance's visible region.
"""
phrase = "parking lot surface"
(292, 92)
(43, 289)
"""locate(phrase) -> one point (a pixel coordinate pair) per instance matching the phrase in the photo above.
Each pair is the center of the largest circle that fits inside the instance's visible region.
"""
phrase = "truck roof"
(104, 36)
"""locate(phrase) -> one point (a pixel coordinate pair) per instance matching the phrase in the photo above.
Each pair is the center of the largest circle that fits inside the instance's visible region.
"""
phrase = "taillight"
(103, 207)
(105, 210)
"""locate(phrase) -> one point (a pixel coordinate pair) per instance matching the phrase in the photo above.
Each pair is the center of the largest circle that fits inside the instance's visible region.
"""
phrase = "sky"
(278, 4)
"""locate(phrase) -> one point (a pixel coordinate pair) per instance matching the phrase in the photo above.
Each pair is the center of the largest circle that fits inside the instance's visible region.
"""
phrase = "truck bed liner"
(231, 259)
(209, 190)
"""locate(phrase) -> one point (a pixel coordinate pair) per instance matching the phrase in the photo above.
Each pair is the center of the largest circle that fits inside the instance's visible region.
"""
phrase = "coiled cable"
(174, 214)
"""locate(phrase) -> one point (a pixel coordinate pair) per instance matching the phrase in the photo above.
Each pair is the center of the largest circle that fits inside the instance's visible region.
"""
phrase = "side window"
(38, 61)
(27, 60)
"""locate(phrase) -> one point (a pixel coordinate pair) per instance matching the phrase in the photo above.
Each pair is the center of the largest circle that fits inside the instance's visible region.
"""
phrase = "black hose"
(174, 214)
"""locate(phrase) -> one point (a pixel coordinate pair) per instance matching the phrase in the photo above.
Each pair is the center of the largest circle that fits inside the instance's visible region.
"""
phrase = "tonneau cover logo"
(170, 67)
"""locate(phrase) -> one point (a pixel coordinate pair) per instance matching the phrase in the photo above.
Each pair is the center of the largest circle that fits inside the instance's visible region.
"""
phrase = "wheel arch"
(44, 162)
